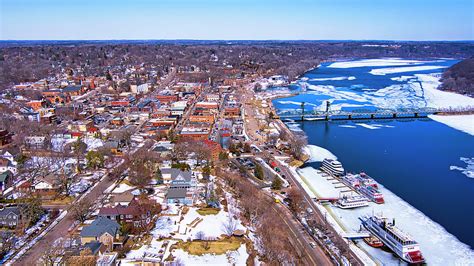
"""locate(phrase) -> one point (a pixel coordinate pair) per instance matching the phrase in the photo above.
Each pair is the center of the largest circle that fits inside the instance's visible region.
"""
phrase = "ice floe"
(468, 170)
(403, 78)
(376, 62)
(333, 79)
(392, 70)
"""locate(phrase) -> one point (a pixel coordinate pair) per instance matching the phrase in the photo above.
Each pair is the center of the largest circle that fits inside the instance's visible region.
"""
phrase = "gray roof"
(5, 175)
(72, 88)
(100, 226)
(7, 210)
(176, 173)
(94, 246)
(176, 193)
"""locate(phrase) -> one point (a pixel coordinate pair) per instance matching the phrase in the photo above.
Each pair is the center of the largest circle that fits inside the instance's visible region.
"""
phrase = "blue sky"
(237, 19)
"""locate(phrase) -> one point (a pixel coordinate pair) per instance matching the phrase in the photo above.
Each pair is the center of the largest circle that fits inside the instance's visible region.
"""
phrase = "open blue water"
(410, 158)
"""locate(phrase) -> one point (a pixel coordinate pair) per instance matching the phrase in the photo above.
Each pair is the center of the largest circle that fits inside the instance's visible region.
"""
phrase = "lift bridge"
(357, 114)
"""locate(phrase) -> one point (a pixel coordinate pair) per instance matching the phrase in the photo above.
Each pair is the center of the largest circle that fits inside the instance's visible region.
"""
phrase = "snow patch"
(238, 257)
(318, 154)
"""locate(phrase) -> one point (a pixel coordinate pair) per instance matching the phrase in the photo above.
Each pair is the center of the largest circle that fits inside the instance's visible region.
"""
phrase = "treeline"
(21, 63)
(459, 78)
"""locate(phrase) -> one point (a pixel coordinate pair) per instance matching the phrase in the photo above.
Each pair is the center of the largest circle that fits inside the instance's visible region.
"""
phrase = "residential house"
(179, 196)
(130, 214)
(103, 230)
(5, 137)
(35, 142)
(164, 148)
(7, 165)
(170, 174)
(113, 146)
(9, 216)
(6, 180)
(182, 186)
(47, 187)
(124, 198)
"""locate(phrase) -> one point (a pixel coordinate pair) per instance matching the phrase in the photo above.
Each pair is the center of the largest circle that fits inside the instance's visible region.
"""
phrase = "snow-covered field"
(438, 246)
(238, 257)
(178, 226)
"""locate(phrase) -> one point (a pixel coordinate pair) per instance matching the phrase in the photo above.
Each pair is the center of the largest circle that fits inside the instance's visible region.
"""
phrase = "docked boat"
(332, 167)
(373, 242)
(365, 185)
(351, 202)
(372, 193)
(351, 180)
(367, 180)
(396, 240)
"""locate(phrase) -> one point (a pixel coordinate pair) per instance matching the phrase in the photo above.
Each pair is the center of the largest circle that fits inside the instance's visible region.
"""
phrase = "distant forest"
(459, 78)
(22, 61)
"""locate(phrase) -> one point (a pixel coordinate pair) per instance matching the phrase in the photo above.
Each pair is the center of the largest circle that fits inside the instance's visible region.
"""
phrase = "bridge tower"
(328, 108)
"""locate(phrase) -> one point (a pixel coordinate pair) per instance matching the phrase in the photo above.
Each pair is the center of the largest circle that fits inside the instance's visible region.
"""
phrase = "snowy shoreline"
(436, 243)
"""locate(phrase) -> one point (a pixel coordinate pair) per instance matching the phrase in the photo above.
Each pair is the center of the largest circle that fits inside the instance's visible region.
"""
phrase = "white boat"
(332, 167)
(398, 241)
(351, 202)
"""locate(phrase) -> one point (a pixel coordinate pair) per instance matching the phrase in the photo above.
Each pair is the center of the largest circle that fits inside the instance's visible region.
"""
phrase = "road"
(251, 126)
(300, 240)
(32, 256)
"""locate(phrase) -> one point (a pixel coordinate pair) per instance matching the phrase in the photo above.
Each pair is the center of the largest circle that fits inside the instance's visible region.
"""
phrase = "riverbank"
(415, 160)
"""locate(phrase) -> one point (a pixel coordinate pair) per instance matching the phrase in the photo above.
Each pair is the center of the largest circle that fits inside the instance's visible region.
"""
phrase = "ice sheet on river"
(420, 91)
(392, 70)
(333, 79)
(464, 123)
(438, 246)
(376, 62)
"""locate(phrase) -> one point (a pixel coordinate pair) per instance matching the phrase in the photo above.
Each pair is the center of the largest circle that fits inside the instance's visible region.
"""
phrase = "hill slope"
(459, 78)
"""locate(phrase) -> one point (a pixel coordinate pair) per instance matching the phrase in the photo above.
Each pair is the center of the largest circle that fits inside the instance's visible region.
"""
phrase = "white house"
(7, 162)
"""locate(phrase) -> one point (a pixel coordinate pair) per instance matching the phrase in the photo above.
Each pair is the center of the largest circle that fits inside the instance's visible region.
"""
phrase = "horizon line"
(229, 40)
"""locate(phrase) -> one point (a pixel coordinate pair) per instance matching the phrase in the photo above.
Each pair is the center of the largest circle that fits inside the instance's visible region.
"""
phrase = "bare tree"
(53, 253)
(230, 225)
(80, 209)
